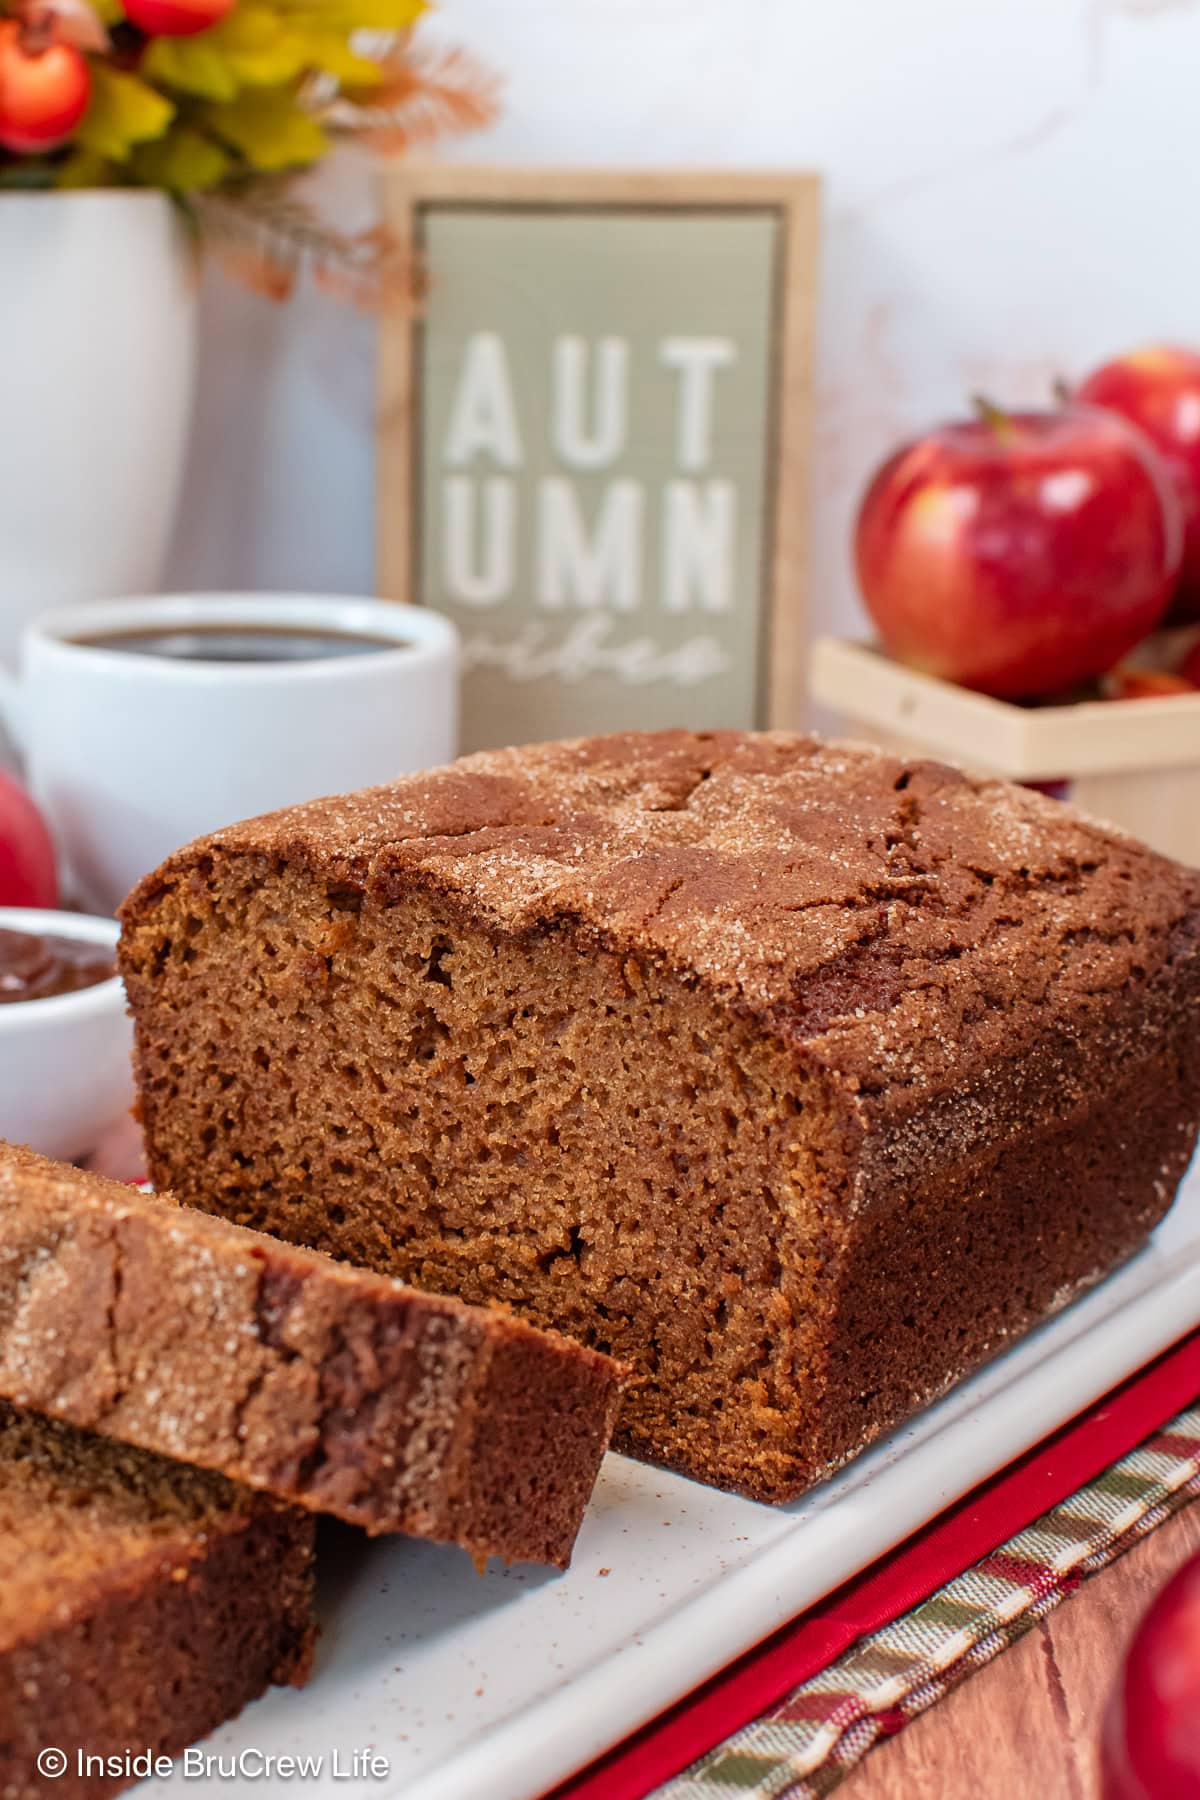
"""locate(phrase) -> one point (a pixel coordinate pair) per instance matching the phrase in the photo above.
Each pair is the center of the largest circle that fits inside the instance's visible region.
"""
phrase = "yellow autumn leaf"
(345, 16)
(191, 65)
(184, 161)
(382, 15)
(330, 52)
(268, 127)
(122, 111)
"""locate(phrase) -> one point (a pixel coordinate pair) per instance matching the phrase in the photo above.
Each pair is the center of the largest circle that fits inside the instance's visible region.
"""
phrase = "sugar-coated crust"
(898, 922)
(153, 1603)
(854, 901)
(329, 1386)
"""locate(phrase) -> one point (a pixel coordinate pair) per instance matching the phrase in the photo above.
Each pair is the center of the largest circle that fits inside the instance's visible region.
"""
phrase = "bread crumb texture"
(800, 1077)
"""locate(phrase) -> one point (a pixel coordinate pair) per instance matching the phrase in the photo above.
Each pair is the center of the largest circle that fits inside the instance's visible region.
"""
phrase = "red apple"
(44, 88)
(27, 871)
(1020, 554)
(1158, 389)
(1150, 1748)
(175, 18)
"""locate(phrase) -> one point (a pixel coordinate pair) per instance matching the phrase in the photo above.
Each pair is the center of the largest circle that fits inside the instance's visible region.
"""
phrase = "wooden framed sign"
(593, 434)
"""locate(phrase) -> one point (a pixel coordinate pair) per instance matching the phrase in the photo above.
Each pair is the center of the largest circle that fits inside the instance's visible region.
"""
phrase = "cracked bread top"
(870, 911)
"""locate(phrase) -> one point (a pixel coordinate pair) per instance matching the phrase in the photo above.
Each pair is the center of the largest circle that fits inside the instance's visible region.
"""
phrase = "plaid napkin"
(803, 1747)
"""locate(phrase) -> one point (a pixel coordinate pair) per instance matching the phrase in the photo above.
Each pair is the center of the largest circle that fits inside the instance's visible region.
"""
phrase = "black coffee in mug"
(240, 643)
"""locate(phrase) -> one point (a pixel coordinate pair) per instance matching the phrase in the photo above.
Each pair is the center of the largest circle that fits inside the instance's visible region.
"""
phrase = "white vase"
(97, 353)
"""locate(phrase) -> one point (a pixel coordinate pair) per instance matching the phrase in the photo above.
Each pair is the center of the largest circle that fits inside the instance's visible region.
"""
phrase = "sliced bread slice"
(141, 1605)
(323, 1384)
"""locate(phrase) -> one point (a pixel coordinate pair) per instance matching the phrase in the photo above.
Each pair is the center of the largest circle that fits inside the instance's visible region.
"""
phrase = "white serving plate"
(497, 1687)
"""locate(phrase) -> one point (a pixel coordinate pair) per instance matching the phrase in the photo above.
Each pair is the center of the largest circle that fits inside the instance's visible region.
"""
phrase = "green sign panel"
(594, 462)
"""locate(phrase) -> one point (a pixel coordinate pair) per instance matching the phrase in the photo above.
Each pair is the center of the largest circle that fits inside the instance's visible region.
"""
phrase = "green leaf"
(84, 169)
(29, 173)
(259, 45)
(122, 111)
(251, 46)
(191, 65)
(268, 127)
(184, 162)
(266, 45)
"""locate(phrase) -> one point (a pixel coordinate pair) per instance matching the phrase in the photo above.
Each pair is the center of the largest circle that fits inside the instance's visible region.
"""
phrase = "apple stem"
(1061, 390)
(995, 417)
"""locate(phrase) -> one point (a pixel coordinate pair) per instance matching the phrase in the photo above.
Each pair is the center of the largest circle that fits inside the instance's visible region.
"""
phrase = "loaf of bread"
(328, 1386)
(798, 1076)
(141, 1605)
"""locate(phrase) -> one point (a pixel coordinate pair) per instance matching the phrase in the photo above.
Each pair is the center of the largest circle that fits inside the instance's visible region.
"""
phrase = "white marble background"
(1011, 191)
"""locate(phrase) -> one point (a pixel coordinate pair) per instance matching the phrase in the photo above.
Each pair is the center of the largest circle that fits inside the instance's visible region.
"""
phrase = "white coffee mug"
(132, 754)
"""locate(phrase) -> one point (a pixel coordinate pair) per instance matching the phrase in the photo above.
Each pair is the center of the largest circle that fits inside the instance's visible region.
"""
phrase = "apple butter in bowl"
(65, 1038)
(40, 965)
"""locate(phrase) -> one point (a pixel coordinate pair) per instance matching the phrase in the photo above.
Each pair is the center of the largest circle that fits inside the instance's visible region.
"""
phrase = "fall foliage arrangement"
(220, 102)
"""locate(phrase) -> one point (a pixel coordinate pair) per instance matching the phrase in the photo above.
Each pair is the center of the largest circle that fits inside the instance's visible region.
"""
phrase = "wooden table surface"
(1028, 1723)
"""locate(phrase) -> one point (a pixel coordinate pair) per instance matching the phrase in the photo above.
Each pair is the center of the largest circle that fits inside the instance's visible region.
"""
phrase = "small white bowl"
(65, 1072)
